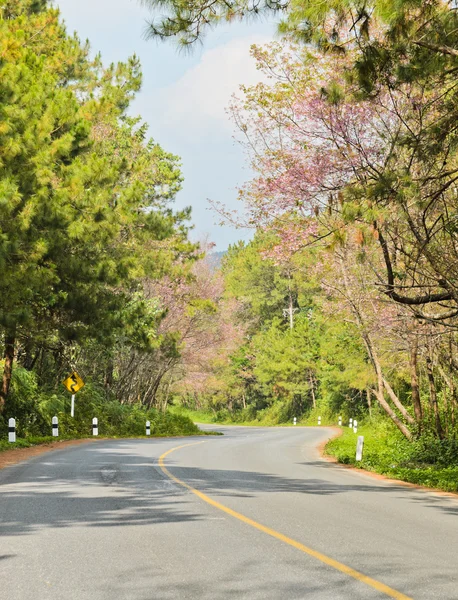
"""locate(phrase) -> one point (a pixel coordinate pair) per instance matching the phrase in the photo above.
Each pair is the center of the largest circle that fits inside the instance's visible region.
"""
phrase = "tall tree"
(85, 214)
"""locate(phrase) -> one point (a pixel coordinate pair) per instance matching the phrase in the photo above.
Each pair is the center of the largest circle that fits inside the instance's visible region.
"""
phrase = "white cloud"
(197, 102)
(110, 13)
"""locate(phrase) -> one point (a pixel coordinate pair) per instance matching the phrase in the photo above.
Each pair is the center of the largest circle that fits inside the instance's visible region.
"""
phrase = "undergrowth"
(424, 461)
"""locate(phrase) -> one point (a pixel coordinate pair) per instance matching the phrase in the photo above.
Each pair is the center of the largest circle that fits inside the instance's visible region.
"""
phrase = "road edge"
(8, 458)
(338, 431)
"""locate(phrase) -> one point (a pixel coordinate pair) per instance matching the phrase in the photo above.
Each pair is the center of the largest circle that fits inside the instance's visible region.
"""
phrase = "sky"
(183, 99)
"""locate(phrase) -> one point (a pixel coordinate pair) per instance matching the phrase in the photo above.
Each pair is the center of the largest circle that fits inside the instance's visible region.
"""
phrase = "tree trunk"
(165, 402)
(450, 389)
(390, 412)
(109, 374)
(416, 401)
(369, 402)
(291, 311)
(402, 409)
(453, 402)
(28, 358)
(433, 399)
(10, 339)
(379, 394)
(150, 395)
(312, 389)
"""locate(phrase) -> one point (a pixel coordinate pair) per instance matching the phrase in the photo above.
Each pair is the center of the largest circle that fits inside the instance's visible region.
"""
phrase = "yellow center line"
(377, 585)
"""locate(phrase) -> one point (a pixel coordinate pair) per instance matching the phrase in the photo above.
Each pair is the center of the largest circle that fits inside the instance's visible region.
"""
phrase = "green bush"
(27, 443)
(116, 420)
(429, 449)
(33, 413)
(23, 406)
(425, 461)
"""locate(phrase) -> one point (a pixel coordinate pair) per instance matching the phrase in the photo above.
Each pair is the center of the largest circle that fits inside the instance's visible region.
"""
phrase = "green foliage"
(33, 412)
(86, 223)
(385, 331)
(25, 443)
(286, 357)
(197, 416)
(383, 445)
(281, 372)
(427, 461)
(278, 413)
(261, 288)
(128, 422)
(430, 450)
(24, 405)
(119, 420)
(189, 21)
(84, 192)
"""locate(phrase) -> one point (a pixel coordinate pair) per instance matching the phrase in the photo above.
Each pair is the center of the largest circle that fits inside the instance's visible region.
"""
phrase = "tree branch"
(436, 48)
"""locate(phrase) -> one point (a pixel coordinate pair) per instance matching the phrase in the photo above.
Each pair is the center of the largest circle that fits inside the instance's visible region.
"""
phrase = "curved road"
(253, 514)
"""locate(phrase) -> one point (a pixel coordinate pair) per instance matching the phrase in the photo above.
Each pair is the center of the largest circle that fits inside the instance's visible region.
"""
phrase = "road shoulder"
(331, 459)
(17, 455)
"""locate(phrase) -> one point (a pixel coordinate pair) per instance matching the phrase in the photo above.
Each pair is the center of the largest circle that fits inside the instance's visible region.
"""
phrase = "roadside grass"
(124, 426)
(32, 441)
(269, 417)
(222, 417)
(388, 453)
(196, 416)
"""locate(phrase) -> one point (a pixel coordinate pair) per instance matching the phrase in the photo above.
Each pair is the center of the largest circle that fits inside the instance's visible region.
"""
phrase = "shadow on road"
(99, 486)
(114, 485)
(235, 483)
(244, 578)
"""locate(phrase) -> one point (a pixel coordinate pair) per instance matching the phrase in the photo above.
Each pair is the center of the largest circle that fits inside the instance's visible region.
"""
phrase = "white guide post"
(55, 427)
(72, 410)
(340, 421)
(294, 420)
(95, 426)
(351, 423)
(355, 426)
(319, 420)
(148, 428)
(359, 447)
(11, 430)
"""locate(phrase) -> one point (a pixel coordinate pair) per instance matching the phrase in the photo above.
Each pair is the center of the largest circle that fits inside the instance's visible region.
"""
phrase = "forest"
(344, 302)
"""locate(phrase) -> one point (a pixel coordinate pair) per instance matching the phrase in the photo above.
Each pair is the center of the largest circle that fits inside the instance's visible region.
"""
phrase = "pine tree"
(84, 213)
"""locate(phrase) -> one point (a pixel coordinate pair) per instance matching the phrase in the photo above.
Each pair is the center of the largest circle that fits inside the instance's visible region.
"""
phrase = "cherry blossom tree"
(197, 327)
(331, 170)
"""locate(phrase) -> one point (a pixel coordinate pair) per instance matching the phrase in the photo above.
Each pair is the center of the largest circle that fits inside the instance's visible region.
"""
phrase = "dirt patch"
(337, 432)
(16, 455)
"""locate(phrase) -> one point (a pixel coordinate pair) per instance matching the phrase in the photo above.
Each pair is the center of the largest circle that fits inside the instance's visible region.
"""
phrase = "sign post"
(11, 430)
(359, 448)
(73, 383)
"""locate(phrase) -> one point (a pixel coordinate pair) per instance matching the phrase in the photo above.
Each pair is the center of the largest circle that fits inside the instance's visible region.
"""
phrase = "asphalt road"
(263, 517)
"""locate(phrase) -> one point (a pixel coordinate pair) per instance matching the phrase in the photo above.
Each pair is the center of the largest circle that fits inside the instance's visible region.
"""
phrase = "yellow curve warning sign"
(73, 383)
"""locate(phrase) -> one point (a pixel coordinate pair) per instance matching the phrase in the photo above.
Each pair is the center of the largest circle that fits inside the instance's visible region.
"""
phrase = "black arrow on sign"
(75, 382)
